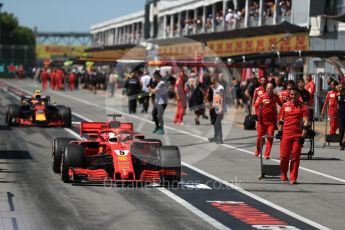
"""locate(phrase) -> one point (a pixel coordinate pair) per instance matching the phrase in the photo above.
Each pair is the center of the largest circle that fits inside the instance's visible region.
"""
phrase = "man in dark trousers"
(161, 102)
(218, 106)
(341, 115)
(132, 85)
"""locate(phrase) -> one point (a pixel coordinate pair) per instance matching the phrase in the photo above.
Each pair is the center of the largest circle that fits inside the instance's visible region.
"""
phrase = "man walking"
(266, 107)
(132, 85)
(180, 97)
(294, 113)
(161, 102)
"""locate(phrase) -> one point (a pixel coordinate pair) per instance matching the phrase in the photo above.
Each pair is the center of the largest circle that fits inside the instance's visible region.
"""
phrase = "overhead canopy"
(284, 27)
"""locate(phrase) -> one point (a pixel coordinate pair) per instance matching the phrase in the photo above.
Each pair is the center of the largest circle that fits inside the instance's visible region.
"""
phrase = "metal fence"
(16, 55)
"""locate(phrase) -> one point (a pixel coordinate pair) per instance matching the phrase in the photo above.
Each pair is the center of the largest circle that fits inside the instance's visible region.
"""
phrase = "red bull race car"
(37, 110)
(113, 151)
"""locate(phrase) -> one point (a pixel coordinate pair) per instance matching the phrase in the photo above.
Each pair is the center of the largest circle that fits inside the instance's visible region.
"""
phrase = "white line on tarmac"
(193, 209)
(288, 212)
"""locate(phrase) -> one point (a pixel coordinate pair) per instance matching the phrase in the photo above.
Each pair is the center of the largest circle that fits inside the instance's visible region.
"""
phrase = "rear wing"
(91, 127)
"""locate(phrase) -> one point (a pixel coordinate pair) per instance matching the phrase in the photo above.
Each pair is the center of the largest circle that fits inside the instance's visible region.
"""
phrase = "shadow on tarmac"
(322, 159)
(5, 128)
(14, 155)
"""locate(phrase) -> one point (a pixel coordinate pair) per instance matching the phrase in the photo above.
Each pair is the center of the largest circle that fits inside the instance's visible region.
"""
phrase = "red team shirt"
(310, 87)
(258, 91)
(331, 99)
(267, 113)
(293, 115)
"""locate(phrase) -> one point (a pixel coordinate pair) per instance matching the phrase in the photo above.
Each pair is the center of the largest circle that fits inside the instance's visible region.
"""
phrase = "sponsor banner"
(51, 51)
(237, 46)
(133, 53)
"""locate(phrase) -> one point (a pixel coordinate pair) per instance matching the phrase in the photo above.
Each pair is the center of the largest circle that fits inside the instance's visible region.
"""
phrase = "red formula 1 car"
(37, 110)
(113, 151)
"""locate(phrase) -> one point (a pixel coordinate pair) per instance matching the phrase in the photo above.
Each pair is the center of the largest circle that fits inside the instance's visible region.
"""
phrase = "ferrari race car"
(37, 110)
(113, 151)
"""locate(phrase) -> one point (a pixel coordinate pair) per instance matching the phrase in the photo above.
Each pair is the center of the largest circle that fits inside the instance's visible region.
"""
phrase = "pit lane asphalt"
(318, 198)
(33, 197)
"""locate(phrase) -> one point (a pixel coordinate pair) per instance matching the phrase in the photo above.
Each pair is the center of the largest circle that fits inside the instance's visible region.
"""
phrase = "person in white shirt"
(111, 82)
(229, 16)
(145, 92)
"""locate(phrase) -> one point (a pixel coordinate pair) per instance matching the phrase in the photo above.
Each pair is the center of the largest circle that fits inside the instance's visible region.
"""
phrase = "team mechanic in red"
(259, 91)
(294, 120)
(331, 101)
(180, 97)
(310, 87)
(44, 80)
(266, 109)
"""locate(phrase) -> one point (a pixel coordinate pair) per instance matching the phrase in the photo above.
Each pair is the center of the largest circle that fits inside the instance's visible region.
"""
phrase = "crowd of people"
(188, 91)
(57, 78)
(231, 17)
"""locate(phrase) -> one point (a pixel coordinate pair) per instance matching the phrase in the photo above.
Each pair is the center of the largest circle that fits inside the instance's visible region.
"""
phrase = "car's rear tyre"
(12, 111)
(170, 159)
(57, 150)
(66, 115)
(72, 157)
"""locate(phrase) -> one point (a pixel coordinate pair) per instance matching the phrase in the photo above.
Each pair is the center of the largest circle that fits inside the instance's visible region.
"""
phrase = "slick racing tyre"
(66, 115)
(170, 159)
(57, 151)
(12, 111)
(72, 157)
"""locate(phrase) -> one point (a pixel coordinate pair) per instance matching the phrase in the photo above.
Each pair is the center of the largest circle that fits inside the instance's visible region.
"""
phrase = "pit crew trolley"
(267, 170)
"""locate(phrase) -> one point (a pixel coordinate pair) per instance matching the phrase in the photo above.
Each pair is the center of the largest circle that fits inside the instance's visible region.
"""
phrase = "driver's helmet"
(112, 137)
(37, 94)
